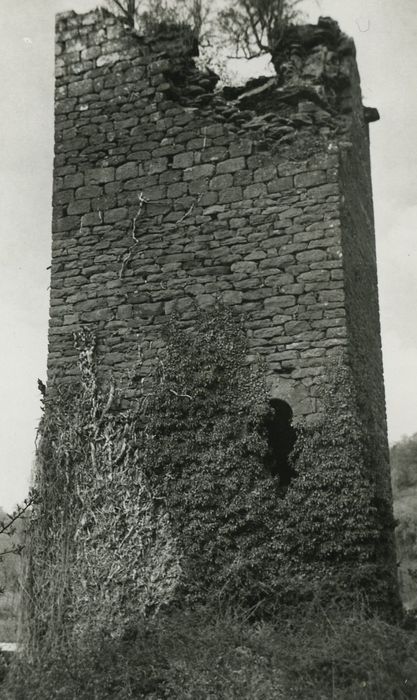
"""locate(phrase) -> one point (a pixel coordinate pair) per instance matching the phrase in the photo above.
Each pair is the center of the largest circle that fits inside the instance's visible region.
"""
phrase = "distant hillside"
(404, 482)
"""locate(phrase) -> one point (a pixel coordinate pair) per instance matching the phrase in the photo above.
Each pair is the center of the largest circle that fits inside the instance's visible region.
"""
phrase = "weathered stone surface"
(99, 175)
(127, 171)
(310, 179)
(167, 196)
(230, 166)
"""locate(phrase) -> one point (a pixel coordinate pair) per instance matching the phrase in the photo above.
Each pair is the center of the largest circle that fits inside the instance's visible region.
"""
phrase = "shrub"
(336, 530)
(165, 502)
(204, 459)
(217, 653)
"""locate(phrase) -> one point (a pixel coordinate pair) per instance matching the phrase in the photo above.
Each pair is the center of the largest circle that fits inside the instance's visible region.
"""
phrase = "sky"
(385, 33)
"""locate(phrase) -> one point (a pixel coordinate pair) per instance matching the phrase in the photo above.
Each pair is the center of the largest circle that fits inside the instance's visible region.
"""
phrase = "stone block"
(323, 191)
(264, 174)
(279, 302)
(111, 216)
(154, 193)
(230, 166)
(97, 315)
(90, 53)
(124, 311)
(92, 219)
(311, 256)
(127, 171)
(244, 267)
(205, 300)
(65, 223)
(74, 180)
(221, 182)
(197, 171)
(296, 327)
(242, 148)
(254, 191)
(183, 160)
(81, 87)
(88, 192)
(332, 296)
(208, 199)
(63, 197)
(81, 206)
(231, 194)
(232, 297)
(108, 59)
(99, 175)
(214, 154)
(310, 179)
(280, 184)
(157, 165)
(178, 189)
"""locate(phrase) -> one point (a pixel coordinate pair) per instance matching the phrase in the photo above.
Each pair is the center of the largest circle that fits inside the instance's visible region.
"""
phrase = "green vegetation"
(246, 28)
(216, 653)
(11, 538)
(335, 528)
(404, 464)
(164, 560)
(404, 482)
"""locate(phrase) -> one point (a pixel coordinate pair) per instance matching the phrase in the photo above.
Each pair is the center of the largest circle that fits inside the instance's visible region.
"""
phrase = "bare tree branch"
(18, 514)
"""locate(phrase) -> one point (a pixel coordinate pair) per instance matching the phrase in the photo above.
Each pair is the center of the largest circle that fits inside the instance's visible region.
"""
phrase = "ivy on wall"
(170, 501)
(205, 454)
(336, 532)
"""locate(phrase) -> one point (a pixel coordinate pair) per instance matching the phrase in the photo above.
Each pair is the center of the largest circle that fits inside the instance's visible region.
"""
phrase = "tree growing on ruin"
(255, 27)
(147, 13)
(126, 9)
(251, 27)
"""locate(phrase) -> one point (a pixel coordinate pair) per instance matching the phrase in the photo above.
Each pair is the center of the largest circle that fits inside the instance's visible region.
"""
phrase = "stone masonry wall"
(361, 287)
(169, 194)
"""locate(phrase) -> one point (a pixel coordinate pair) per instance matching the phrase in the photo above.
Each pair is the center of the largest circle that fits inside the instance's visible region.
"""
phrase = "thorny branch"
(7, 527)
(18, 514)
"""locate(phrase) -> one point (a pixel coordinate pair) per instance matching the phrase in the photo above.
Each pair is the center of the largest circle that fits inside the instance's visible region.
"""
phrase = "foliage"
(204, 457)
(157, 505)
(218, 653)
(12, 534)
(255, 27)
(99, 545)
(12, 527)
(126, 9)
(147, 14)
(404, 463)
(336, 530)
(404, 480)
(245, 29)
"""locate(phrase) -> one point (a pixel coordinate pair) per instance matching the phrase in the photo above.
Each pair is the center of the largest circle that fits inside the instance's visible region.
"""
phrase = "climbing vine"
(336, 530)
(169, 500)
(204, 457)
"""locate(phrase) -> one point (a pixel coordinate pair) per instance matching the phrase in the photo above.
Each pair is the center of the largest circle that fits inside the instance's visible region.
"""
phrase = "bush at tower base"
(166, 501)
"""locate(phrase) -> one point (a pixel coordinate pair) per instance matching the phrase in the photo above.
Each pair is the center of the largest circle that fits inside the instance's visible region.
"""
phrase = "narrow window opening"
(281, 437)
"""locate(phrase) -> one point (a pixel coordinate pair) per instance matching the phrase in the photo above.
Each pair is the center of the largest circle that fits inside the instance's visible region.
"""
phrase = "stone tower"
(168, 193)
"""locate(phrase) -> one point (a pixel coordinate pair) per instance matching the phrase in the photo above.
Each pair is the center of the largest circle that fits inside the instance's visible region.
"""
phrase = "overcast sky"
(385, 32)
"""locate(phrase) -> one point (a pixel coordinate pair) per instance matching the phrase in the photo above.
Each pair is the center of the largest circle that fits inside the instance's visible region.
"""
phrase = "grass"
(209, 654)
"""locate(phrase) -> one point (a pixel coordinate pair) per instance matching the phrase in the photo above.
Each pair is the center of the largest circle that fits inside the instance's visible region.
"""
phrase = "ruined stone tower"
(168, 193)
